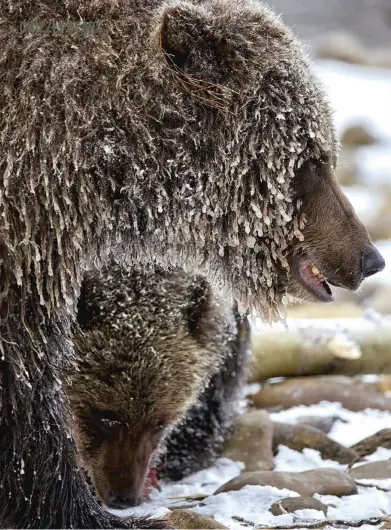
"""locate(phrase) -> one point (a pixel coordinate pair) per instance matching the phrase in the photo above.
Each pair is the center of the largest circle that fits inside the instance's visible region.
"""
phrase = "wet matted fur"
(189, 131)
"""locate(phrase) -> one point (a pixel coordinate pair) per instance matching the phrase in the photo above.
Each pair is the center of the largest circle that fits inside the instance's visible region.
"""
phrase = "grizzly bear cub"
(149, 344)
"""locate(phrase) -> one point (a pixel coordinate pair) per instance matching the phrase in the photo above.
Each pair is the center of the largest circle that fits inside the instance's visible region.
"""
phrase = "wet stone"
(183, 519)
(292, 504)
(324, 481)
(252, 441)
(379, 470)
(299, 437)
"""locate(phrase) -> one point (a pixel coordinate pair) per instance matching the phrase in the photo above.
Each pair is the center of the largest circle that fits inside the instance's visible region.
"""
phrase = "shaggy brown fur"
(198, 440)
(176, 133)
(148, 344)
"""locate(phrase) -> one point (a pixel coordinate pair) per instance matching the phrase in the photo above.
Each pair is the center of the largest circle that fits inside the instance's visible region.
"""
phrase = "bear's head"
(148, 343)
(253, 156)
(181, 131)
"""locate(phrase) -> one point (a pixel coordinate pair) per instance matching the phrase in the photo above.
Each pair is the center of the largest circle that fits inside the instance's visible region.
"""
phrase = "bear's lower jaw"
(313, 281)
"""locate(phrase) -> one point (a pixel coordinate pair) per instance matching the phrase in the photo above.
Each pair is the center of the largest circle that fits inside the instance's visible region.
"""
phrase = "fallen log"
(314, 389)
(312, 347)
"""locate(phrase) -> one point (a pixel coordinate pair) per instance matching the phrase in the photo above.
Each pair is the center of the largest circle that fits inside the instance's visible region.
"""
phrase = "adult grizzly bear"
(149, 342)
(182, 131)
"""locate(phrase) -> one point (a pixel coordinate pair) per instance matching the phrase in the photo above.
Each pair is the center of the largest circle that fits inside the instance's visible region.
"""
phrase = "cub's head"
(148, 343)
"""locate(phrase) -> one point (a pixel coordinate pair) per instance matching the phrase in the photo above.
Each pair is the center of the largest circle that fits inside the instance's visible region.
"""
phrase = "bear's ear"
(175, 37)
(191, 44)
(200, 302)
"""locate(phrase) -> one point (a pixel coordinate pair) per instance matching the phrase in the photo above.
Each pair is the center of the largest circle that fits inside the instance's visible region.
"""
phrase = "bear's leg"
(41, 485)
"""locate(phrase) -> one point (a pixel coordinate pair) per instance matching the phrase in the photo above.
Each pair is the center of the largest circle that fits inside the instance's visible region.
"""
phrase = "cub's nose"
(122, 502)
(372, 262)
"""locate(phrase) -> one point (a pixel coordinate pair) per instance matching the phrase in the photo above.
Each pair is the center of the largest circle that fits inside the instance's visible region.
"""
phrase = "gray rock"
(375, 470)
(324, 481)
(323, 423)
(357, 136)
(311, 390)
(192, 520)
(292, 504)
(369, 445)
(252, 441)
(298, 437)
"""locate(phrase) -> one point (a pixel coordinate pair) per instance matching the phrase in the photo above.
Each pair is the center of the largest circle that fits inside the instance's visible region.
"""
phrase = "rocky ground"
(298, 466)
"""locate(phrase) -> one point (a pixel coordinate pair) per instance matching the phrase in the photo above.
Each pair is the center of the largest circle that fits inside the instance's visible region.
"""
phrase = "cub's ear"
(199, 306)
(193, 42)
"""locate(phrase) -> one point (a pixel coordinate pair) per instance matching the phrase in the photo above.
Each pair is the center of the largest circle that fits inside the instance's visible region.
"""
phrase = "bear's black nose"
(122, 502)
(372, 262)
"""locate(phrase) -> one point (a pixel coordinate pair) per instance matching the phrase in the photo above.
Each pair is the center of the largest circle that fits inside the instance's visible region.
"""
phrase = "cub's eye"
(319, 166)
(109, 424)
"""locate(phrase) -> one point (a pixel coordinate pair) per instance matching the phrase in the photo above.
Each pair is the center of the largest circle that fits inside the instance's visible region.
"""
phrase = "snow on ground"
(252, 503)
(293, 461)
(360, 95)
(350, 428)
(371, 321)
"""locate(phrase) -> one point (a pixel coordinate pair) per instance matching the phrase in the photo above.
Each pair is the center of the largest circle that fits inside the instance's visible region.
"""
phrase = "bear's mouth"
(312, 279)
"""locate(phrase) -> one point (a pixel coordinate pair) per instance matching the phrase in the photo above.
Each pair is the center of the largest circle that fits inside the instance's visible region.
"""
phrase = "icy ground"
(359, 95)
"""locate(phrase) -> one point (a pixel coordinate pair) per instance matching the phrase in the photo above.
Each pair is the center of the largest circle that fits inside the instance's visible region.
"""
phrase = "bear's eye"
(319, 166)
(314, 167)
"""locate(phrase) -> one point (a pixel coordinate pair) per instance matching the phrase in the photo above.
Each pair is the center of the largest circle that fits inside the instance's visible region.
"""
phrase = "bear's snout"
(372, 262)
